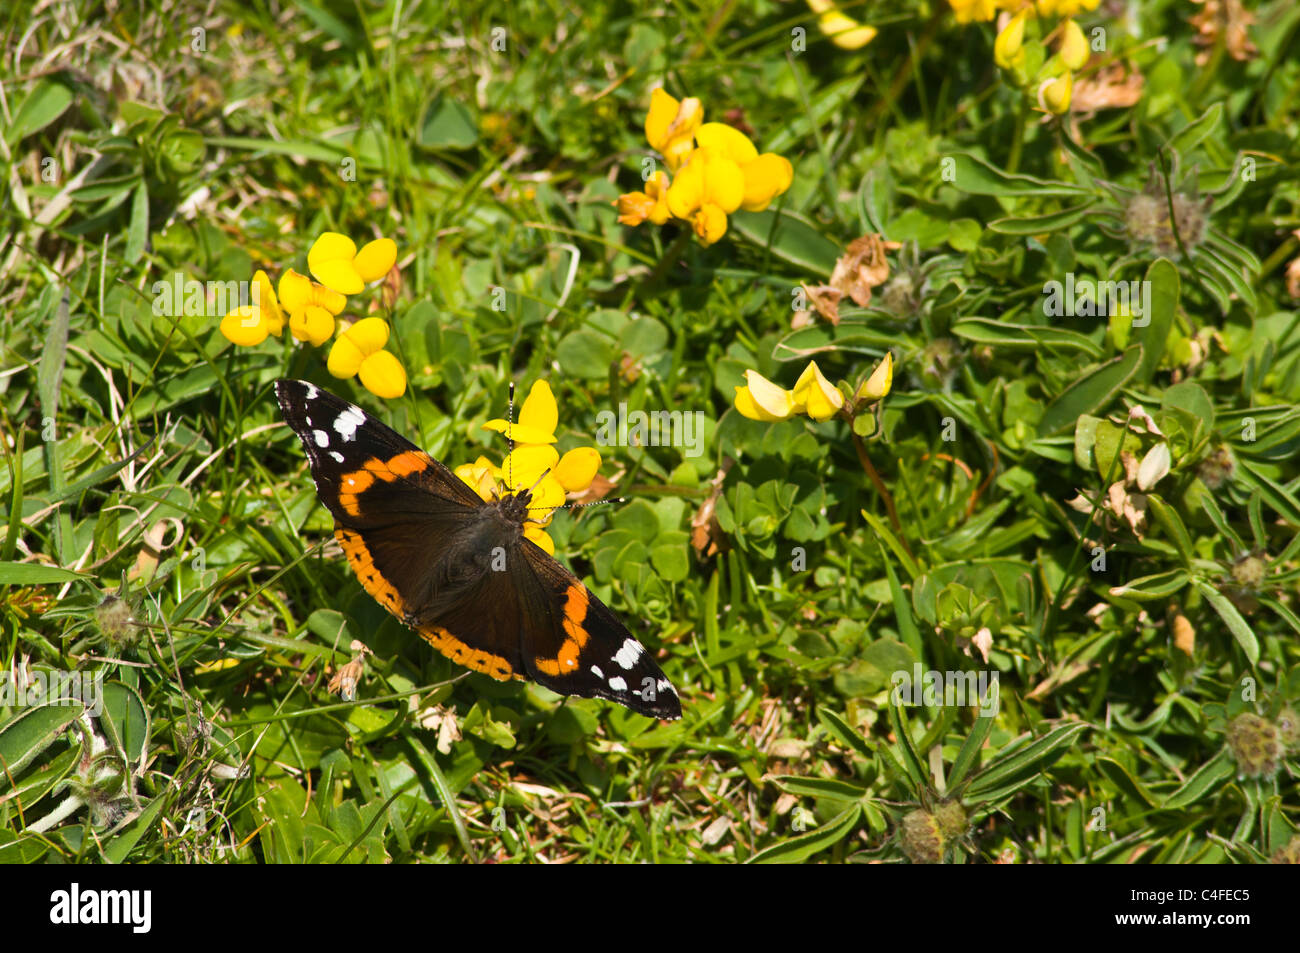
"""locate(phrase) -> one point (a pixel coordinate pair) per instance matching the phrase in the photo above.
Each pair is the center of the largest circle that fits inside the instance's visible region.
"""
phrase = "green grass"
(158, 525)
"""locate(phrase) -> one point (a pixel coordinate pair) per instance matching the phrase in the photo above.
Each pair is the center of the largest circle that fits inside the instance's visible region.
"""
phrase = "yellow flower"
(880, 381)
(723, 174)
(534, 464)
(1065, 8)
(967, 11)
(482, 475)
(760, 399)
(815, 395)
(670, 126)
(1008, 49)
(538, 418)
(844, 31)
(1054, 94)
(336, 263)
(766, 176)
(249, 324)
(1074, 46)
(708, 189)
(650, 205)
(360, 350)
(311, 306)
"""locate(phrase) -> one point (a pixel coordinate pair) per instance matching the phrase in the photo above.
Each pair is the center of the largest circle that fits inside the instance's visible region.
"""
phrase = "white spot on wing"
(664, 686)
(338, 457)
(595, 670)
(311, 392)
(321, 437)
(346, 423)
(618, 684)
(629, 653)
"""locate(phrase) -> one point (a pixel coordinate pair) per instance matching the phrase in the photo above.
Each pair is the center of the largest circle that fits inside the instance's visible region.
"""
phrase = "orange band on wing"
(353, 485)
(462, 654)
(575, 613)
(354, 547)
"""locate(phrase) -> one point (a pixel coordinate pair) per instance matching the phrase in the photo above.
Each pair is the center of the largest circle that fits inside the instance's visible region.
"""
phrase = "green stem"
(885, 496)
(1018, 138)
(669, 258)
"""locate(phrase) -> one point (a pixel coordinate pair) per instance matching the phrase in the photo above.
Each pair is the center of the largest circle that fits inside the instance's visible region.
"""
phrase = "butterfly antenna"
(510, 433)
(571, 506)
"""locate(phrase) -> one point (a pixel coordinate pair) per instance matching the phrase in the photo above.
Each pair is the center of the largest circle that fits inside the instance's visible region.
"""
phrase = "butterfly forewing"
(459, 570)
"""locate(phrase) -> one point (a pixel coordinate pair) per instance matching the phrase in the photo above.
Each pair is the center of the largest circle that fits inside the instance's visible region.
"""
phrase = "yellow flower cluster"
(717, 170)
(813, 394)
(1052, 76)
(312, 307)
(534, 463)
(844, 31)
(970, 11)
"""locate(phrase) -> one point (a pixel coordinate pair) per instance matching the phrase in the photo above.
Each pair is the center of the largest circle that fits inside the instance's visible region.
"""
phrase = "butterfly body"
(459, 569)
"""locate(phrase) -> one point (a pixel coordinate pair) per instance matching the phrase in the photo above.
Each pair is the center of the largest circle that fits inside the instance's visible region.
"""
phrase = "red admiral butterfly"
(430, 550)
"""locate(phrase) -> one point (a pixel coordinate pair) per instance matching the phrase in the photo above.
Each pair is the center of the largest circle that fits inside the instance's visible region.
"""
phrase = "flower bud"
(921, 837)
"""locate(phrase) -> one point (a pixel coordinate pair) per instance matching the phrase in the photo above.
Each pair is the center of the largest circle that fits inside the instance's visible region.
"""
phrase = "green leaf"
(1090, 393)
(586, 353)
(974, 175)
(44, 104)
(1020, 766)
(1274, 494)
(1204, 781)
(120, 846)
(1127, 785)
(844, 734)
(1190, 397)
(849, 336)
(969, 752)
(798, 849)
(35, 574)
(330, 24)
(912, 762)
(1041, 224)
(125, 720)
(964, 234)
(671, 561)
(1191, 135)
(1085, 439)
(1023, 337)
(447, 124)
(832, 101)
(902, 608)
(1156, 586)
(821, 787)
(1174, 528)
(29, 733)
(137, 233)
(313, 149)
(94, 478)
(1238, 626)
(789, 237)
(1162, 278)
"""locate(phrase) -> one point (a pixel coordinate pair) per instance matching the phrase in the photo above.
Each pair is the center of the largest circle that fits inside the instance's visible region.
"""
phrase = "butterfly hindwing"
(457, 569)
(575, 645)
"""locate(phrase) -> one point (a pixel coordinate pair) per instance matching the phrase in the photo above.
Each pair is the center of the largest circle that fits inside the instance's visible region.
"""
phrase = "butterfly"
(458, 569)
